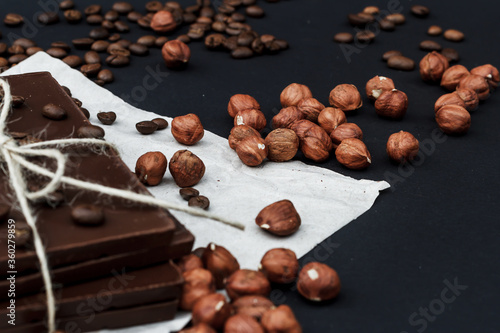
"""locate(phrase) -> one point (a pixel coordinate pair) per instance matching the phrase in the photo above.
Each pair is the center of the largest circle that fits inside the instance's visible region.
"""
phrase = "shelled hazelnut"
(392, 104)
(311, 108)
(377, 85)
(151, 167)
(287, 116)
(251, 117)
(241, 323)
(318, 282)
(476, 83)
(240, 102)
(449, 99)
(469, 97)
(163, 21)
(198, 282)
(452, 76)
(200, 328)
(282, 144)
(344, 131)
(253, 305)
(186, 168)
(252, 150)
(453, 119)
(293, 94)
(245, 282)
(280, 218)
(176, 54)
(402, 147)
(280, 319)
(433, 66)
(220, 262)
(330, 118)
(212, 310)
(187, 129)
(239, 133)
(353, 154)
(315, 143)
(280, 265)
(346, 97)
(490, 73)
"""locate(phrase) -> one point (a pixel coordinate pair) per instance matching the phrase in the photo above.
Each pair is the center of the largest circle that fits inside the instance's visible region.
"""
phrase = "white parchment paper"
(325, 200)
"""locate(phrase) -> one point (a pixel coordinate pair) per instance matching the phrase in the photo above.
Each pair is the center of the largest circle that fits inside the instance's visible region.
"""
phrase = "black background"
(440, 222)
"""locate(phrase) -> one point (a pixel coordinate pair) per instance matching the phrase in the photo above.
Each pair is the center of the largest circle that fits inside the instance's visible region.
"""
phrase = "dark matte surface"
(439, 224)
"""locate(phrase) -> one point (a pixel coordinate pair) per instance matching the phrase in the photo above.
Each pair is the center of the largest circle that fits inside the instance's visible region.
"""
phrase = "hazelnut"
(186, 168)
(189, 262)
(311, 108)
(353, 154)
(344, 131)
(476, 83)
(253, 305)
(346, 97)
(279, 218)
(490, 73)
(200, 328)
(240, 102)
(176, 54)
(392, 104)
(377, 85)
(469, 97)
(251, 117)
(239, 133)
(187, 129)
(282, 145)
(280, 265)
(447, 99)
(453, 119)
(151, 167)
(220, 262)
(402, 147)
(241, 323)
(163, 21)
(433, 66)
(280, 320)
(287, 116)
(198, 282)
(452, 76)
(252, 150)
(246, 282)
(318, 282)
(315, 144)
(293, 94)
(212, 310)
(330, 118)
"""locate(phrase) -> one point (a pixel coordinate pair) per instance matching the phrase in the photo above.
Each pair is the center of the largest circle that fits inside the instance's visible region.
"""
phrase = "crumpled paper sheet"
(325, 200)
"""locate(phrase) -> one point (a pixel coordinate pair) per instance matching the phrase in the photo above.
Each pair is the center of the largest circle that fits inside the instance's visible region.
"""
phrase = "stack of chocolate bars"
(113, 272)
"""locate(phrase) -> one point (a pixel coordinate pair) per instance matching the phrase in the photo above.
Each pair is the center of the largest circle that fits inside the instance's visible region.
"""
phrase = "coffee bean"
(66, 4)
(119, 51)
(188, 193)
(93, 10)
(32, 50)
(282, 44)
(85, 112)
(99, 33)
(77, 102)
(62, 45)
(233, 3)
(24, 42)
(454, 35)
(48, 18)
(92, 57)
(16, 49)
(121, 26)
(90, 131)
(451, 54)
(148, 40)
(196, 33)
(401, 63)
(207, 12)
(134, 16)
(386, 25)
(420, 11)
(231, 43)
(4, 212)
(91, 70)
(242, 52)
(72, 15)
(125, 43)
(391, 53)
(122, 7)
(144, 23)
(108, 25)
(257, 46)
(23, 235)
(3, 62)
(246, 38)
(214, 41)
(82, 43)
(107, 118)
(54, 112)
(200, 202)
(66, 90)
(360, 19)
(17, 101)
(219, 26)
(146, 127)
(73, 61)
(3, 48)
(343, 37)
(162, 123)
(17, 58)
(154, 6)
(99, 82)
(57, 52)
(430, 45)
(248, 2)
(87, 215)
(396, 18)
(106, 76)
(183, 38)
(114, 37)
(189, 18)
(268, 40)
(160, 41)
(117, 60)
(99, 46)
(138, 49)
(204, 20)
(238, 17)
(254, 11)
(226, 9)
(434, 30)
(13, 20)
(365, 36)
(95, 19)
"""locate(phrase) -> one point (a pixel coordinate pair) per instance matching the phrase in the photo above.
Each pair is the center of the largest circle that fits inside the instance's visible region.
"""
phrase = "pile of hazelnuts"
(213, 268)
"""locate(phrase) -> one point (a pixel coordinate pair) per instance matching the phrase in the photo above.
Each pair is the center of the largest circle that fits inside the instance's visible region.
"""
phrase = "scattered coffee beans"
(162, 123)
(188, 192)
(107, 118)
(146, 127)
(391, 53)
(434, 30)
(343, 37)
(420, 11)
(430, 45)
(454, 35)
(401, 63)
(200, 202)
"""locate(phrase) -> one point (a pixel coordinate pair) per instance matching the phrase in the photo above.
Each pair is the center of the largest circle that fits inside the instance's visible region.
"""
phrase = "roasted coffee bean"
(66, 4)
(154, 6)
(87, 215)
(234, 3)
(16, 49)
(3, 62)
(144, 23)
(420, 11)
(4, 212)
(172, 5)
(54, 112)
(114, 37)
(99, 82)
(343, 37)
(391, 53)
(57, 52)
(119, 51)
(454, 35)
(108, 25)
(401, 63)
(207, 12)
(257, 46)
(3, 48)
(226, 9)
(365, 36)
(72, 15)
(92, 57)
(148, 40)
(121, 26)
(134, 16)
(434, 30)
(138, 49)
(23, 235)
(386, 25)
(93, 10)
(90, 131)
(188, 193)
(396, 18)
(238, 17)
(204, 20)
(360, 19)
(219, 26)
(188, 18)
(13, 20)
(242, 52)
(430, 45)
(146, 127)
(85, 112)
(62, 45)
(24, 42)
(162, 123)
(196, 33)
(122, 7)
(160, 41)
(111, 16)
(214, 41)
(17, 101)
(99, 33)
(107, 118)
(283, 44)
(231, 43)
(32, 50)
(106, 76)
(82, 43)
(95, 19)
(200, 202)
(66, 90)
(221, 18)
(73, 61)
(254, 11)
(117, 60)
(125, 43)
(246, 38)
(77, 102)
(48, 18)
(99, 46)
(451, 54)
(248, 2)
(91, 70)
(17, 58)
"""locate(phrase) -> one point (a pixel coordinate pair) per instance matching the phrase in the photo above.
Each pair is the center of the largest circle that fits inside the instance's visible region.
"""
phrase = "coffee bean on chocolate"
(23, 234)
(24, 42)
(242, 52)
(83, 43)
(16, 49)
(122, 7)
(365, 36)
(420, 11)
(73, 15)
(430, 45)
(343, 37)
(451, 54)
(93, 9)
(200, 202)
(85, 112)
(54, 112)
(17, 58)
(73, 61)
(48, 18)
(57, 52)
(106, 76)
(66, 4)
(183, 38)
(386, 25)
(62, 45)
(77, 102)
(95, 19)
(148, 40)
(13, 19)
(4, 212)
(162, 123)
(188, 193)
(401, 63)
(90, 131)
(92, 57)
(391, 53)
(154, 6)
(254, 11)
(214, 41)
(138, 49)
(107, 118)
(160, 41)
(91, 70)
(99, 46)
(66, 90)
(87, 215)
(134, 16)
(99, 33)
(17, 101)
(121, 26)
(146, 127)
